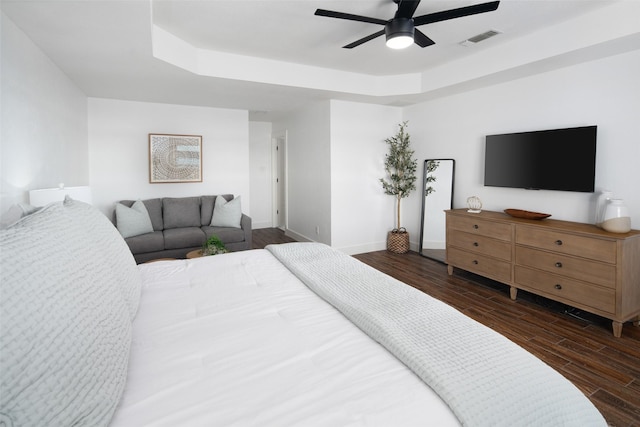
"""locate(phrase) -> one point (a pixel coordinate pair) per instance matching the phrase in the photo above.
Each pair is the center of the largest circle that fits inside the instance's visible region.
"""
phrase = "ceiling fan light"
(399, 33)
(399, 42)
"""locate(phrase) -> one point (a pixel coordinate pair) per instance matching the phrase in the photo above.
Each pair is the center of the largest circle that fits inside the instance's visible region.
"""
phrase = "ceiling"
(270, 57)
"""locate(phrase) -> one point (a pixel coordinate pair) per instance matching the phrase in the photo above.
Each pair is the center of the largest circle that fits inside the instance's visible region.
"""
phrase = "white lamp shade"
(400, 42)
(49, 195)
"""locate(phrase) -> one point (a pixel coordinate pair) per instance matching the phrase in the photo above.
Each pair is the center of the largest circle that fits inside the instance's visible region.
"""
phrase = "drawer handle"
(558, 242)
(559, 264)
(475, 226)
(475, 244)
(475, 261)
(558, 286)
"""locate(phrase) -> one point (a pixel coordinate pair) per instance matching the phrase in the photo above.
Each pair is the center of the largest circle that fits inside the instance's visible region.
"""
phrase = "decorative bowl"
(519, 213)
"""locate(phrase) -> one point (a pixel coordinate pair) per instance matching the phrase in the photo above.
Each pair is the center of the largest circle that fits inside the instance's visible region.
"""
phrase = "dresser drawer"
(480, 264)
(582, 246)
(574, 268)
(564, 289)
(497, 230)
(480, 244)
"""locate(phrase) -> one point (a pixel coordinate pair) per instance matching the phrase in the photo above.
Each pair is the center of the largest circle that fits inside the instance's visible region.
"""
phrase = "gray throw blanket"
(485, 379)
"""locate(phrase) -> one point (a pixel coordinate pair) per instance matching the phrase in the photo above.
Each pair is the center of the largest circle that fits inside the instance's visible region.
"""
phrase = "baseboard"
(296, 236)
(351, 250)
(259, 225)
(361, 249)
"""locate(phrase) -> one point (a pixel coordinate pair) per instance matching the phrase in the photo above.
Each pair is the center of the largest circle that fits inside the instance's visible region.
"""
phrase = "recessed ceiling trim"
(172, 49)
(533, 48)
(529, 49)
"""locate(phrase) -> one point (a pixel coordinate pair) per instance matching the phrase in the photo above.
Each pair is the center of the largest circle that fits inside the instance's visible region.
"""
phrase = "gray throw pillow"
(227, 214)
(133, 221)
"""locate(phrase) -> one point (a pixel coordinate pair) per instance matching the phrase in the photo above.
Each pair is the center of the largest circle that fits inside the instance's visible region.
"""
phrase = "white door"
(279, 180)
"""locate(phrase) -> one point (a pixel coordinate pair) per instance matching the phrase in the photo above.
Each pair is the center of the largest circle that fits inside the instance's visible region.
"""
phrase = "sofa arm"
(245, 224)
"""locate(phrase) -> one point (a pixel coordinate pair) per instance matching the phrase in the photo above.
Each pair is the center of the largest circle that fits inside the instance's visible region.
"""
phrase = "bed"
(298, 334)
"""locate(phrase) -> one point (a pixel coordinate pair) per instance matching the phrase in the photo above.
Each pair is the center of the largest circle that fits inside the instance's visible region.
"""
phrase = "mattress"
(237, 340)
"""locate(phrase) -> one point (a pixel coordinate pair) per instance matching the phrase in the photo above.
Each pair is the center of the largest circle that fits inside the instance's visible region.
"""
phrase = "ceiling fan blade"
(363, 40)
(455, 13)
(348, 16)
(421, 40)
(406, 8)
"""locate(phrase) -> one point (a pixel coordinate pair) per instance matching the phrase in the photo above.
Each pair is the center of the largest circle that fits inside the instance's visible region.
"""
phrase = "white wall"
(44, 121)
(308, 172)
(119, 150)
(605, 93)
(260, 150)
(361, 214)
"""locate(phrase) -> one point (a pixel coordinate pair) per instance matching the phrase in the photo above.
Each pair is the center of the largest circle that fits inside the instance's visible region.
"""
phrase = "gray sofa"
(181, 225)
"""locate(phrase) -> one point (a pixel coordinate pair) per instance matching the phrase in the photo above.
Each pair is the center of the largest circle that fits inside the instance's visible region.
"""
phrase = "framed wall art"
(175, 158)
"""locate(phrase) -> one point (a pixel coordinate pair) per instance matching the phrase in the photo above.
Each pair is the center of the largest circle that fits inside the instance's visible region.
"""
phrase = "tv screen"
(558, 159)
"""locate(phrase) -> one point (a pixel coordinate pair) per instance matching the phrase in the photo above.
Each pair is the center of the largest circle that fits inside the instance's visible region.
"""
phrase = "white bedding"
(237, 340)
(485, 379)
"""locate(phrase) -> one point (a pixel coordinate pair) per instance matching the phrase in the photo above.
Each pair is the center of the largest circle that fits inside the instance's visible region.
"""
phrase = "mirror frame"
(424, 200)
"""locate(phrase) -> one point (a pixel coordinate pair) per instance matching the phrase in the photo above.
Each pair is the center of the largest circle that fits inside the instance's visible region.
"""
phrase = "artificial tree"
(401, 179)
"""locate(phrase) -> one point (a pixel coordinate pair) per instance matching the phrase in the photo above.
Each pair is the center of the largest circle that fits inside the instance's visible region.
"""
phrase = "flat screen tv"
(558, 159)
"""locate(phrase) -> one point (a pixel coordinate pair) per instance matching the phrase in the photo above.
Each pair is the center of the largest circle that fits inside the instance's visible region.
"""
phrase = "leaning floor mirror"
(437, 181)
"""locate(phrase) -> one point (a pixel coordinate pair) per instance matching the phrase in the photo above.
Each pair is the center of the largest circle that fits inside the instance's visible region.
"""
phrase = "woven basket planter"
(398, 241)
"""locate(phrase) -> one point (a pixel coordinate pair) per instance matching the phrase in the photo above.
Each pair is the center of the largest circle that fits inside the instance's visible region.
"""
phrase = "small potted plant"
(213, 246)
(400, 181)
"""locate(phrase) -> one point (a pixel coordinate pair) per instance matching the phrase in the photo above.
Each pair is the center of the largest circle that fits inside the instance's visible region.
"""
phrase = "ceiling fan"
(400, 30)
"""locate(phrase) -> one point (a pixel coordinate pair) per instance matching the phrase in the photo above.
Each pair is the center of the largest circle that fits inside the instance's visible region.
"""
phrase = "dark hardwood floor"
(265, 236)
(579, 345)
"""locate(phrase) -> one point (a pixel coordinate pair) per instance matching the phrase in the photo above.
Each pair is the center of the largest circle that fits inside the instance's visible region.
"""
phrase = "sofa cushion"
(181, 212)
(226, 234)
(150, 242)
(206, 207)
(184, 237)
(70, 289)
(227, 213)
(133, 221)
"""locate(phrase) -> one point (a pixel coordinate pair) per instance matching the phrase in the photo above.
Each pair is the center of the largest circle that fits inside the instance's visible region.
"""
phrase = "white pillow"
(133, 221)
(16, 212)
(226, 214)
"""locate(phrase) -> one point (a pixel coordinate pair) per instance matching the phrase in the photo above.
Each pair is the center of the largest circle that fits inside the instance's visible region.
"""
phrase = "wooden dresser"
(573, 263)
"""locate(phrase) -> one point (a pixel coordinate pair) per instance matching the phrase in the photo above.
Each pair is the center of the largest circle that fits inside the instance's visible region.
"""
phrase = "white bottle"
(601, 205)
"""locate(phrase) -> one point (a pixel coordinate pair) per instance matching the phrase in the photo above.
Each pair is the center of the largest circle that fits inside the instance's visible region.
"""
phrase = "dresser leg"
(513, 292)
(450, 270)
(617, 329)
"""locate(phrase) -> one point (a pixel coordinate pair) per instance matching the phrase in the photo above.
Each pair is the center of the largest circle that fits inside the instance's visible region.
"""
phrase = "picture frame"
(175, 158)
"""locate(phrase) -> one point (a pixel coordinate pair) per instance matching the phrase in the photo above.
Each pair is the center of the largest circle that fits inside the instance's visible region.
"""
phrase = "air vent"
(480, 37)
